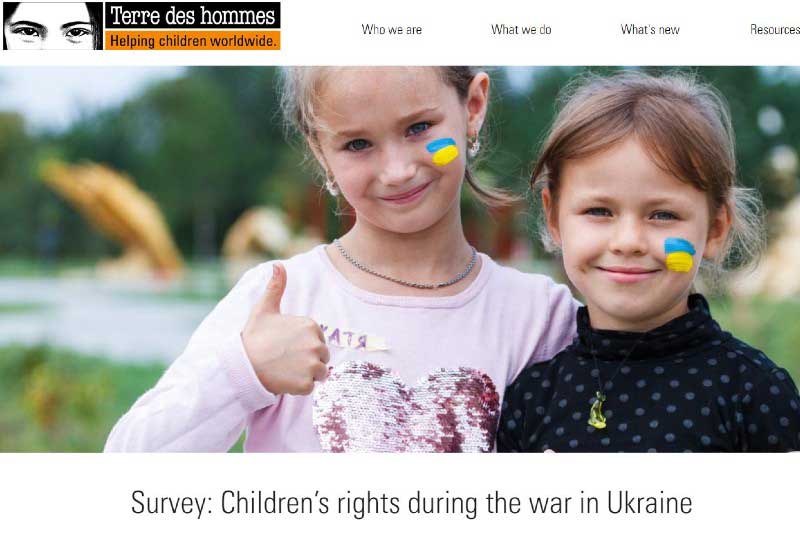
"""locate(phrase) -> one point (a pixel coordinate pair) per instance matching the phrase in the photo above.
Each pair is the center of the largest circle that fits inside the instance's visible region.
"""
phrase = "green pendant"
(596, 418)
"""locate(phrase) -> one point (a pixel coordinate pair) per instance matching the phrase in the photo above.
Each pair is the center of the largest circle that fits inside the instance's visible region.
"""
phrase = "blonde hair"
(685, 127)
(299, 102)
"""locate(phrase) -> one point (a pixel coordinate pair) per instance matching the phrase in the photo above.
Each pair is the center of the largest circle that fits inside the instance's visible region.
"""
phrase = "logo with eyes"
(53, 26)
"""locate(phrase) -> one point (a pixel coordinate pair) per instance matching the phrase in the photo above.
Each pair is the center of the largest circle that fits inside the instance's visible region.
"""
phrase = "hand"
(288, 353)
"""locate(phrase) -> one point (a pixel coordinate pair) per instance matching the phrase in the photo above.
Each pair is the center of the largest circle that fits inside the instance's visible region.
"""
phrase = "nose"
(629, 237)
(53, 41)
(399, 165)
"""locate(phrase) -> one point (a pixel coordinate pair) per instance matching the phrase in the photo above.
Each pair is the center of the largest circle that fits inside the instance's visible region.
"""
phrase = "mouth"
(626, 274)
(408, 196)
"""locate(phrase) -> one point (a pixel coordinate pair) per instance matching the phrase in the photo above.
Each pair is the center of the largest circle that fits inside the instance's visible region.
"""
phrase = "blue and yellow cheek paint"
(444, 150)
(679, 254)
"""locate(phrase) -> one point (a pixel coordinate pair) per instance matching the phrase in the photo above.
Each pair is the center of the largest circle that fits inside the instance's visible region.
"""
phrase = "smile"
(622, 274)
(408, 196)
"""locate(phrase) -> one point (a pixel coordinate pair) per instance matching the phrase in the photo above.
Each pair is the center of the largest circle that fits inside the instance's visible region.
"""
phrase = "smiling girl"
(637, 181)
(398, 336)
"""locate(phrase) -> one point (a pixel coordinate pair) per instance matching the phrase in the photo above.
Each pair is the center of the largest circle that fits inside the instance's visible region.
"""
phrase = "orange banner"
(193, 40)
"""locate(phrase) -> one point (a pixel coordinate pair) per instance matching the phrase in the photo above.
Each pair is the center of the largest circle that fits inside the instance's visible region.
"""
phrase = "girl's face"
(373, 131)
(614, 211)
(50, 26)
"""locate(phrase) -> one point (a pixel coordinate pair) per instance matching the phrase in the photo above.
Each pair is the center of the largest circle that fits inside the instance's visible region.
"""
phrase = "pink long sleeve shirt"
(407, 373)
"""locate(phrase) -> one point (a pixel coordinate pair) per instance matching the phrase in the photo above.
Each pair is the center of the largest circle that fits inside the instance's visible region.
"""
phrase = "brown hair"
(299, 89)
(685, 127)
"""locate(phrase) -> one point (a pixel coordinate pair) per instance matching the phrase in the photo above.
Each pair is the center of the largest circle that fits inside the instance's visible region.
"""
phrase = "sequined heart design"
(363, 407)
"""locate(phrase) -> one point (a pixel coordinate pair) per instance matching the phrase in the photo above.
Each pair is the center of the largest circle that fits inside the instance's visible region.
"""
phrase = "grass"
(21, 307)
(54, 400)
(57, 400)
(32, 268)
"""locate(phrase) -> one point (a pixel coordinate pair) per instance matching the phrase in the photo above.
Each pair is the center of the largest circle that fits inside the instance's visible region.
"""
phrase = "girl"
(52, 26)
(637, 179)
(413, 334)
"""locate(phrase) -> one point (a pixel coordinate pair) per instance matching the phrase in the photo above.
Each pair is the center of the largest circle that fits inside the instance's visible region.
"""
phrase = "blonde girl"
(398, 336)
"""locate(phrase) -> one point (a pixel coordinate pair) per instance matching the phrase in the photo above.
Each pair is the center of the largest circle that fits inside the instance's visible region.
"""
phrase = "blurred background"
(131, 199)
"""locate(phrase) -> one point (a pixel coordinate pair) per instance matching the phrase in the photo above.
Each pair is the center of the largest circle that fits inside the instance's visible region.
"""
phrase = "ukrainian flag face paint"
(444, 151)
(679, 254)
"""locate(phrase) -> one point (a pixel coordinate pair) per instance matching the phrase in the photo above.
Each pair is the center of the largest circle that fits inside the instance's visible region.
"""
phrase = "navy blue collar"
(682, 334)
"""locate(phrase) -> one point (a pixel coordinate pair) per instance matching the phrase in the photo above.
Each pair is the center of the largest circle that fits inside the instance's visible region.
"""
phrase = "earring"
(331, 186)
(473, 146)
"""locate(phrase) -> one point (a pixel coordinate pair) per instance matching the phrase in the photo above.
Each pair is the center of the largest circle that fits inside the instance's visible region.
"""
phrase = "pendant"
(596, 418)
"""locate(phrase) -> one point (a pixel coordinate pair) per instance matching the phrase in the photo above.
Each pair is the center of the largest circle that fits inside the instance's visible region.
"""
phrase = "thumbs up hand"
(288, 353)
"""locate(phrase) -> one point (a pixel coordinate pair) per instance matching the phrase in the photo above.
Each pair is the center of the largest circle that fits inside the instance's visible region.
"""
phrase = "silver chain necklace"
(368, 270)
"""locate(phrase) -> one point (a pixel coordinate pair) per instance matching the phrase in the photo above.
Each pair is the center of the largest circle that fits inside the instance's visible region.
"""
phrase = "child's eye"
(598, 212)
(76, 32)
(27, 31)
(357, 145)
(418, 128)
(664, 215)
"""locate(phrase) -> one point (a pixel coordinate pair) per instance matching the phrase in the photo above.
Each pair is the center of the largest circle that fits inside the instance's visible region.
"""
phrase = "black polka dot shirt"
(686, 386)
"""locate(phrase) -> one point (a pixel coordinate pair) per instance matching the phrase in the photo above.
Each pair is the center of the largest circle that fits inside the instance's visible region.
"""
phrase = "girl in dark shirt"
(637, 182)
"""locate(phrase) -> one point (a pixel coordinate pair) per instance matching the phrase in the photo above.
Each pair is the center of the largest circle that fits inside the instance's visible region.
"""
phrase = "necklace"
(368, 270)
(596, 417)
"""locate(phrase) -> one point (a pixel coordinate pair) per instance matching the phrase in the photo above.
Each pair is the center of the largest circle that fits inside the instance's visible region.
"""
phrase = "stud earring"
(473, 146)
